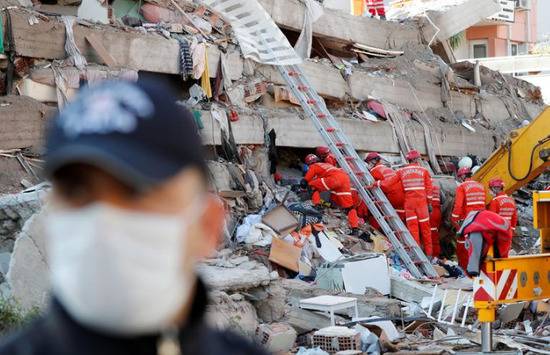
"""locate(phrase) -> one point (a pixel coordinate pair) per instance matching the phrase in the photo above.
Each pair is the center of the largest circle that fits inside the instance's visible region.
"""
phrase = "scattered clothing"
(186, 60)
(73, 53)
(305, 214)
(312, 12)
(198, 55)
(205, 79)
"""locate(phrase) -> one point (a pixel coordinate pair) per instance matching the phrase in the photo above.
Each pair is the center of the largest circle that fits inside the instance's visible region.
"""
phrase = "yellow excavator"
(518, 161)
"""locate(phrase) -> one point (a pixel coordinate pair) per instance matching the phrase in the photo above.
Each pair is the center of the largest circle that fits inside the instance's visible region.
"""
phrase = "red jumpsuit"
(393, 189)
(435, 219)
(496, 232)
(360, 208)
(417, 184)
(505, 206)
(331, 159)
(325, 177)
(381, 172)
(376, 7)
(470, 196)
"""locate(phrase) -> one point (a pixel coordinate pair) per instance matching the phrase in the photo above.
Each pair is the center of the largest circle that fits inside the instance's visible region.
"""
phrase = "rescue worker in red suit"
(481, 230)
(502, 204)
(470, 196)
(377, 169)
(387, 180)
(376, 7)
(435, 218)
(417, 185)
(326, 156)
(325, 177)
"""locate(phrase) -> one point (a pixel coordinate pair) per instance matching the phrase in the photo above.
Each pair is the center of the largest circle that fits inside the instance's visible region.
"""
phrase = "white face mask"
(117, 270)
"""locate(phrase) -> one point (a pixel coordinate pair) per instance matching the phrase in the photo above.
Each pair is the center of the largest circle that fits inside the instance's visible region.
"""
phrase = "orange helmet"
(496, 182)
(311, 159)
(372, 156)
(322, 151)
(412, 155)
(463, 172)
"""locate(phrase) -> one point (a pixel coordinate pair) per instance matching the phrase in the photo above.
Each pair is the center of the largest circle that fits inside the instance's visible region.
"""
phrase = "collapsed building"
(392, 85)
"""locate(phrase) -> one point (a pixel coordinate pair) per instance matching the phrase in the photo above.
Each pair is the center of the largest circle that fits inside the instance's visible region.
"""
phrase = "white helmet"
(475, 169)
(465, 162)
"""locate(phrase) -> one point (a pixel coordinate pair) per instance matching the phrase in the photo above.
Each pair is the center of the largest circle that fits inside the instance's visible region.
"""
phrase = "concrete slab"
(130, 49)
(292, 131)
(28, 271)
(344, 27)
(23, 121)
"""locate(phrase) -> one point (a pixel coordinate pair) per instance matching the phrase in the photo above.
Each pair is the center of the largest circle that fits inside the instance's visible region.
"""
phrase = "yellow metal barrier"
(541, 218)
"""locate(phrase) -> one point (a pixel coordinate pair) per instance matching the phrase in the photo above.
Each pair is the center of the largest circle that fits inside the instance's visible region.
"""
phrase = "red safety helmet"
(463, 172)
(412, 155)
(496, 182)
(372, 156)
(322, 151)
(311, 159)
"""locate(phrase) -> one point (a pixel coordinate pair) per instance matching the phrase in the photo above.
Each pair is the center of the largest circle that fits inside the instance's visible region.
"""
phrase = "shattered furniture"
(330, 304)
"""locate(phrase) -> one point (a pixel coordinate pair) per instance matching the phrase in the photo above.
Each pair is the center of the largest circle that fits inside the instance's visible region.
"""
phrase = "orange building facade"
(498, 38)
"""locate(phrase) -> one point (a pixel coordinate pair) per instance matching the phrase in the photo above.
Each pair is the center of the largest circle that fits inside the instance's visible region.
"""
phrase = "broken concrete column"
(14, 211)
(477, 75)
(28, 270)
(232, 312)
(234, 278)
(221, 177)
(273, 306)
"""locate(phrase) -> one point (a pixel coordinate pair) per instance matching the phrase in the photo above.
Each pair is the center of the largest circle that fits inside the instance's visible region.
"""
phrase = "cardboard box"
(285, 254)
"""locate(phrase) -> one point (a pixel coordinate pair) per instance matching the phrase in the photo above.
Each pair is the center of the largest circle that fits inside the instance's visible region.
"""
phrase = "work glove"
(303, 184)
(430, 208)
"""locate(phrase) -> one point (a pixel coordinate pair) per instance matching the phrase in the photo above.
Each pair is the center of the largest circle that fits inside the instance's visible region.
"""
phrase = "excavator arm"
(522, 157)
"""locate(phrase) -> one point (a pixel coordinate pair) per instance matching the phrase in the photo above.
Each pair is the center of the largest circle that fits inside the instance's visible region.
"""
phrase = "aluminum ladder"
(314, 106)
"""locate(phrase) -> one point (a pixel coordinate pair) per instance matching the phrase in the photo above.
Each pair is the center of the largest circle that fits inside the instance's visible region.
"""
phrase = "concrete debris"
(28, 276)
(446, 17)
(227, 312)
(235, 278)
(15, 210)
(276, 336)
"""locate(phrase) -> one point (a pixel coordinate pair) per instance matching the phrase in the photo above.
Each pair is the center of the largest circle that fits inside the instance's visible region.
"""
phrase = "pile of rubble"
(287, 274)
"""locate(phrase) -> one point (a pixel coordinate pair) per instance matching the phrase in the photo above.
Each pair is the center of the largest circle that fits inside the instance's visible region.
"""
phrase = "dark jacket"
(57, 333)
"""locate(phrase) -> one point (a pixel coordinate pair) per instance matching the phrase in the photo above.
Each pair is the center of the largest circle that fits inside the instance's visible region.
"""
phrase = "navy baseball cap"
(133, 131)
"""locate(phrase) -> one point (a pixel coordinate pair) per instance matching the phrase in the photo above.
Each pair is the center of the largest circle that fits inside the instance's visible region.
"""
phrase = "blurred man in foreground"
(129, 218)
